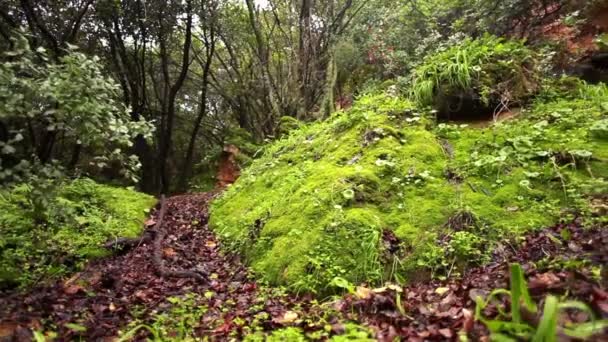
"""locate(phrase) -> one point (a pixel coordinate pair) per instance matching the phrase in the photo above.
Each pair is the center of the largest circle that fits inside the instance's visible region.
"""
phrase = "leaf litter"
(98, 302)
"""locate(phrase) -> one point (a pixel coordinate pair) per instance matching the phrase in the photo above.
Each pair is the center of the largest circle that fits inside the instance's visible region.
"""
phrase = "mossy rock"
(475, 78)
(369, 194)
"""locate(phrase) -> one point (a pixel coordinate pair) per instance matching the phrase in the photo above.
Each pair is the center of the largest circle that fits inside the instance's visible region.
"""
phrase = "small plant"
(490, 69)
(516, 325)
(176, 324)
(467, 246)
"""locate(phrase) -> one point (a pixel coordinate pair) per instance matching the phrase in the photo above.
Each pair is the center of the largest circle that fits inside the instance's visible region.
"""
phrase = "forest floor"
(98, 303)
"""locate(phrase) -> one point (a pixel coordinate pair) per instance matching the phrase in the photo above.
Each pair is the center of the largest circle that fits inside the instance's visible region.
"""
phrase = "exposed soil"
(228, 170)
(103, 296)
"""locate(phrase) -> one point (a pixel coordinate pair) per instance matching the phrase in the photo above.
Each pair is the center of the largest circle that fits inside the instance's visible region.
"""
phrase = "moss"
(316, 205)
(352, 332)
(81, 217)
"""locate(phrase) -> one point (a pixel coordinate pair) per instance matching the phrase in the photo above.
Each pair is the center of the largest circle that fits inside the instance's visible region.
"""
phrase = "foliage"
(42, 102)
(78, 218)
(178, 322)
(317, 204)
(352, 332)
(490, 69)
(513, 326)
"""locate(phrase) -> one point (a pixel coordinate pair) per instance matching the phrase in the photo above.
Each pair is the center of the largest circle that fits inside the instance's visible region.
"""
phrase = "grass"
(513, 327)
(490, 68)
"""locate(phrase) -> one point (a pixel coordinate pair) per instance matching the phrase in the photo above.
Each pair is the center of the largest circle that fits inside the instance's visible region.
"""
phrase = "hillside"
(380, 192)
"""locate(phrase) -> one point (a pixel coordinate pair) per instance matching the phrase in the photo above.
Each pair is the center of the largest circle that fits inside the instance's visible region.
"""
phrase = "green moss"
(352, 332)
(81, 217)
(317, 204)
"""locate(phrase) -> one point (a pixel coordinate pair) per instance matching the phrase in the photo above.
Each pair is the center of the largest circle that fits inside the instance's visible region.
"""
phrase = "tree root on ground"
(159, 262)
(157, 235)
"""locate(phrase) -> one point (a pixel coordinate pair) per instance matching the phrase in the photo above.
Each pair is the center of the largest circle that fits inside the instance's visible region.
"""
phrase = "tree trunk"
(167, 135)
(202, 111)
(263, 58)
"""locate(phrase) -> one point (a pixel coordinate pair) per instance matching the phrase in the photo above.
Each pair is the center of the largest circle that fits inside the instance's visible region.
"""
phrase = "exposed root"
(159, 262)
(124, 244)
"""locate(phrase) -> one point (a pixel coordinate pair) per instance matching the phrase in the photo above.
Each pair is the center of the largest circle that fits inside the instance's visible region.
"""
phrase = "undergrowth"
(490, 69)
(61, 234)
(516, 325)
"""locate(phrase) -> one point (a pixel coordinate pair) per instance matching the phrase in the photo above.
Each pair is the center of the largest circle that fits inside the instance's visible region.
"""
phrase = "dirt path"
(102, 296)
(96, 303)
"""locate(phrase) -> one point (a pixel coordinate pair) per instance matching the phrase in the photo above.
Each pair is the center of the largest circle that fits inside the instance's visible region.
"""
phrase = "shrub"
(41, 101)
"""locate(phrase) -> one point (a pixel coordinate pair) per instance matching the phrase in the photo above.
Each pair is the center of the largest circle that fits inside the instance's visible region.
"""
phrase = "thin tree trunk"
(263, 57)
(187, 167)
(167, 135)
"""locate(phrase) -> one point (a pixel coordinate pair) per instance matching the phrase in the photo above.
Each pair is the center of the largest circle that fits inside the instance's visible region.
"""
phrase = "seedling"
(516, 326)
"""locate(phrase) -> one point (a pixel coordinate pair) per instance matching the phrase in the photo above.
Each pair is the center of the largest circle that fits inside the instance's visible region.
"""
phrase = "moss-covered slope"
(379, 191)
(79, 218)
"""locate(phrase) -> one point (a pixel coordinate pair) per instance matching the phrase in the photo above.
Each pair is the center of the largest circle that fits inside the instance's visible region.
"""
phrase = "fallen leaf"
(72, 289)
(70, 281)
(141, 295)
(543, 280)
(574, 247)
(363, 292)
(169, 252)
(474, 293)
(447, 333)
(289, 317)
(210, 244)
(469, 321)
(442, 290)
(7, 330)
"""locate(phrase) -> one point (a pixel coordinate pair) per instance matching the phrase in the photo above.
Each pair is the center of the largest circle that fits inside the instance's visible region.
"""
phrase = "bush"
(489, 70)
(41, 101)
(76, 219)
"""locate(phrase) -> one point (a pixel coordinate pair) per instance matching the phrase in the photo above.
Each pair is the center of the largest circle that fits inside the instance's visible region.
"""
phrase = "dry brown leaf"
(363, 292)
(72, 289)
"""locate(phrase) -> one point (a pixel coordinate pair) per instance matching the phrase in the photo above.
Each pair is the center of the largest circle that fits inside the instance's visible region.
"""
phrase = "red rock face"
(228, 170)
(582, 39)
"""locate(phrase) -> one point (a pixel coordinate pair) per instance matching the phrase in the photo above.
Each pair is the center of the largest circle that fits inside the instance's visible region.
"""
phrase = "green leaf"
(547, 328)
(586, 330)
(76, 327)
(8, 149)
(519, 293)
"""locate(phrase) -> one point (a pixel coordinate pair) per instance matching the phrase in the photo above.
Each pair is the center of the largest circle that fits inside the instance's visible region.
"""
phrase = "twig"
(127, 243)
